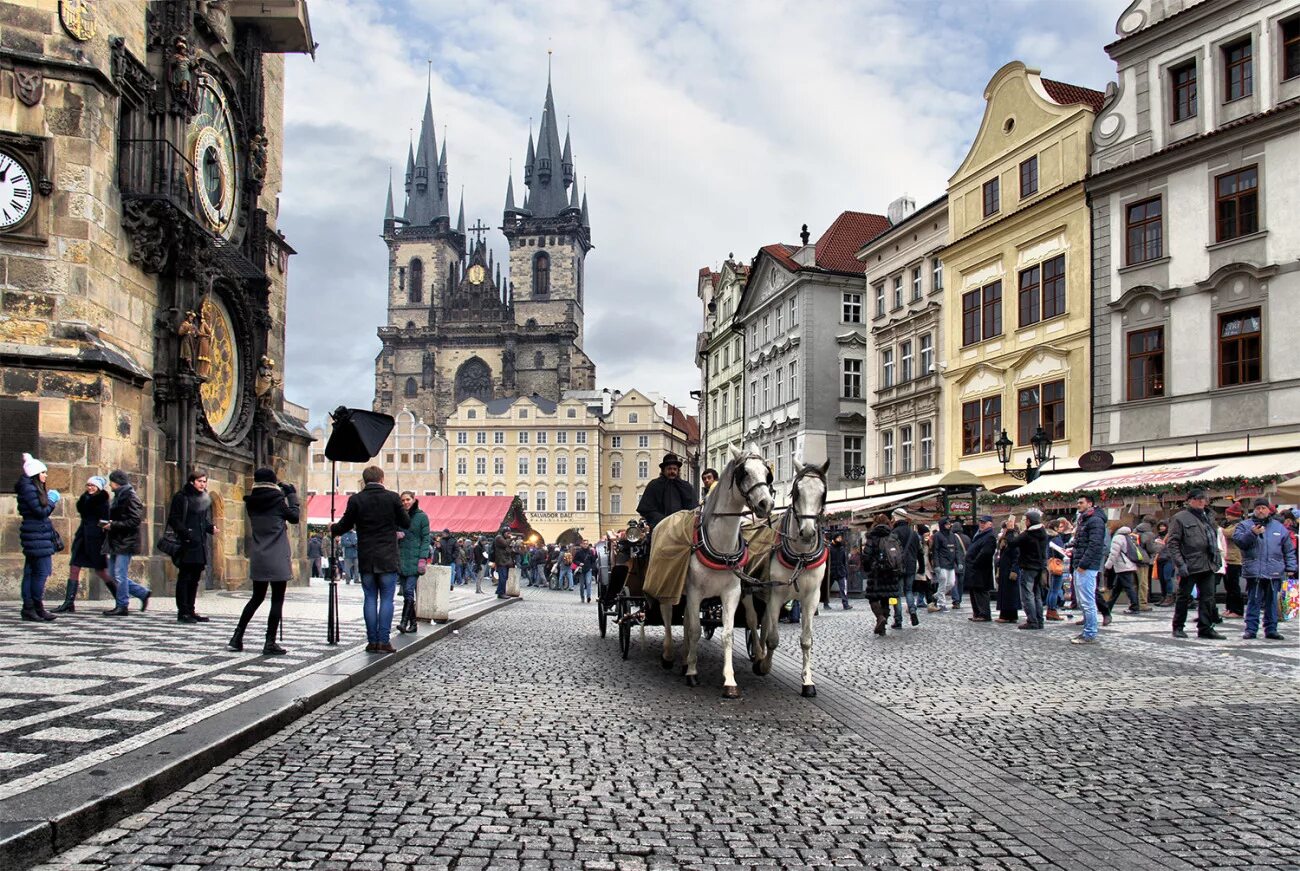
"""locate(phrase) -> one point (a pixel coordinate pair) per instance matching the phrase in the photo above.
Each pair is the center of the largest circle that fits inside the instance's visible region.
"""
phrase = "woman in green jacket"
(413, 554)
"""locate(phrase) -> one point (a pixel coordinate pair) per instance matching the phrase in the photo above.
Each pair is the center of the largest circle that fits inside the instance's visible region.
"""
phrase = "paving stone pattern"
(526, 742)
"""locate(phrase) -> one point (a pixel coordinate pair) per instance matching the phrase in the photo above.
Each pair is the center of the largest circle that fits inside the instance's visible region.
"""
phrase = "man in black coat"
(910, 542)
(377, 515)
(666, 494)
(1193, 546)
(122, 541)
(837, 569)
(979, 570)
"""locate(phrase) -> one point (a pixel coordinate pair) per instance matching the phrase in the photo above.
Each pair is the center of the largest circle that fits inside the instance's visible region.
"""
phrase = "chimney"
(804, 235)
(899, 209)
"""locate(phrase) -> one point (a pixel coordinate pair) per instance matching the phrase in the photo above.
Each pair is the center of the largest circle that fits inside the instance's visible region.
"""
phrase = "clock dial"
(15, 192)
(215, 159)
(219, 363)
(476, 274)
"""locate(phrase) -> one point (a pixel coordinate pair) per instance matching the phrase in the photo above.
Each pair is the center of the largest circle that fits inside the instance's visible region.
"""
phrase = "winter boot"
(411, 625)
(38, 605)
(236, 642)
(406, 614)
(69, 605)
(29, 611)
(1052, 615)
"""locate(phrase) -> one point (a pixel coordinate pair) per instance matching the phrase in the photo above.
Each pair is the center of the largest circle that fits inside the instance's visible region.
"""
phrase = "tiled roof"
(1068, 95)
(704, 270)
(685, 423)
(842, 240)
(781, 252)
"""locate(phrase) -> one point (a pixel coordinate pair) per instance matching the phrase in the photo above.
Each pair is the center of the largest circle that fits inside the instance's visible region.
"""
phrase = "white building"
(722, 364)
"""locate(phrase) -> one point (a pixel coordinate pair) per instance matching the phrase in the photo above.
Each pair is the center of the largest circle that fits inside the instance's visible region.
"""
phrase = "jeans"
(584, 585)
(350, 568)
(1168, 586)
(503, 574)
(407, 584)
(1056, 593)
(913, 601)
(944, 579)
(1204, 584)
(36, 571)
(1085, 596)
(1031, 596)
(457, 574)
(120, 565)
(377, 608)
(958, 587)
(566, 577)
(844, 590)
(1261, 595)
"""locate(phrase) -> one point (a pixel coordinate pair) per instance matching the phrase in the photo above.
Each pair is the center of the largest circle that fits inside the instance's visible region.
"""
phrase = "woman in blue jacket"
(36, 535)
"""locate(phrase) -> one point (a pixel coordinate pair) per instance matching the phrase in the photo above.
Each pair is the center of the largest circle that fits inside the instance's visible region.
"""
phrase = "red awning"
(457, 513)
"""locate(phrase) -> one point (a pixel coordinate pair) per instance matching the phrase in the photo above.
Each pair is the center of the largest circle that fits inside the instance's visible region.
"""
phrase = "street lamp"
(1042, 454)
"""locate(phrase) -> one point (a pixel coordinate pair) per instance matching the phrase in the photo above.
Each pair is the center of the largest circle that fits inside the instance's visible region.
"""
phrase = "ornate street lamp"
(1042, 454)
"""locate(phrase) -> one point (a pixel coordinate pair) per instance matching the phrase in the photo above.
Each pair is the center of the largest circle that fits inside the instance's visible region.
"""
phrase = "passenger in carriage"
(668, 493)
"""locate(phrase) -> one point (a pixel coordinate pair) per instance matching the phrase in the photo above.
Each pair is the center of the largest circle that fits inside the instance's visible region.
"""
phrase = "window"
(480, 466)
(792, 445)
(1183, 81)
(767, 396)
(714, 416)
(562, 437)
(779, 384)
(415, 290)
(905, 361)
(981, 313)
(541, 466)
(767, 327)
(561, 500)
(461, 491)
(794, 310)
(898, 291)
(938, 275)
(571, 412)
(1146, 363)
(916, 283)
(880, 300)
(642, 469)
(780, 462)
(462, 438)
(580, 438)
(905, 449)
(580, 465)
(498, 466)
(725, 411)
(480, 438)
(579, 500)
(471, 413)
(886, 369)
(1029, 177)
(542, 437)
(539, 500)
(981, 421)
(927, 445)
(1042, 291)
(616, 442)
(852, 378)
(753, 397)
(851, 306)
(419, 459)
(633, 417)
(1291, 48)
(406, 459)
(462, 466)
(561, 467)
(523, 466)
(887, 452)
(1041, 405)
(794, 381)
(1236, 203)
(992, 197)
(643, 441)
(499, 437)
(1144, 231)
(852, 454)
(541, 273)
(615, 503)
(412, 388)
(927, 354)
(498, 492)
(1238, 75)
(1239, 348)
(780, 318)
(616, 469)
(522, 496)
(523, 437)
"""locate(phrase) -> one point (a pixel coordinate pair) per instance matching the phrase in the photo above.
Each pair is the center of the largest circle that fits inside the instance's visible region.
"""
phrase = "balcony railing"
(155, 169)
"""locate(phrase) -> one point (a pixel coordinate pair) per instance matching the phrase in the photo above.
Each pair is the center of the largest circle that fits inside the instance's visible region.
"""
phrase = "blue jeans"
(1261, 595)
(913, 600)
(457, 574)
(1168, 584)
(1085, 595)
(503, 574)
(36, 571)
(584, 584)
(566, 577)
(1056, 593)
(119, 565)
(407, 584)
(378, 605)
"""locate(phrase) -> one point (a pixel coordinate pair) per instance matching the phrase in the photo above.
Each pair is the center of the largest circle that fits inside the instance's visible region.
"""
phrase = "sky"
(701, 128)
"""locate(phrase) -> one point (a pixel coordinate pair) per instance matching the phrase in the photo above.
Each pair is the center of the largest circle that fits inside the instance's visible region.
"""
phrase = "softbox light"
(357, 435)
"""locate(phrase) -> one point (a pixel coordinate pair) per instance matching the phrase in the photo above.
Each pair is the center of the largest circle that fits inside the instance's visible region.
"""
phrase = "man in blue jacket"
(1267, 556)
(1086, 560)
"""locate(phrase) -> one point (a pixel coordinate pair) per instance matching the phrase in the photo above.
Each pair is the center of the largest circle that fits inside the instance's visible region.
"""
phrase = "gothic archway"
(474, 380)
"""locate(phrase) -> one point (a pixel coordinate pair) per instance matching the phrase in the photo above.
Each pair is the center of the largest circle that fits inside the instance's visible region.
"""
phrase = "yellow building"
(635, 434)
(1017, 306)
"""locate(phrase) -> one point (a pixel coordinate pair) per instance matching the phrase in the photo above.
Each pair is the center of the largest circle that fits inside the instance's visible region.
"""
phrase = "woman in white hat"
(36, 535)
(88, 542)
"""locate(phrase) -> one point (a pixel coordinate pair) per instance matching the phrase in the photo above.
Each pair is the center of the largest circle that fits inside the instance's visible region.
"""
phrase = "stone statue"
(203, 352)
(257, 147)
(266, 382)
(188, 332)
(181, 72)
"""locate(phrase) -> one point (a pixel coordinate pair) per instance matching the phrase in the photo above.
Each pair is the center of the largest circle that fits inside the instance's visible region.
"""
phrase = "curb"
(50, 819)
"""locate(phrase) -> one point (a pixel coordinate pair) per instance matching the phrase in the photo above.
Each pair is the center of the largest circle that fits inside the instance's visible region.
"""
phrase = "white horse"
(746, 482)
(795, 570)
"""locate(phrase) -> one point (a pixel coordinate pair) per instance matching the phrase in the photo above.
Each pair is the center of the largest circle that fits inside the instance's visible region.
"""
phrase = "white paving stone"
(174, 701)
(14, 760)
(43, 686)
(69, 734)
(99, 668)
(125, 715)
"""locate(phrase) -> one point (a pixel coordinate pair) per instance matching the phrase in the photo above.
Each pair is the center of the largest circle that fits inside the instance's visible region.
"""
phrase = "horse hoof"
(666, 663)
(692, 680)
(809, 691)
(758, 666)
(731, 692)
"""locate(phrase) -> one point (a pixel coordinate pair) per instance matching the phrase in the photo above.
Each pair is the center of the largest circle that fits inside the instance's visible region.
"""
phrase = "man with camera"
(1267, 556)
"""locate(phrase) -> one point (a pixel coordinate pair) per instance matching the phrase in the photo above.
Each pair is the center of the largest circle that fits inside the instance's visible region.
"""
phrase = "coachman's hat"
(671, 459)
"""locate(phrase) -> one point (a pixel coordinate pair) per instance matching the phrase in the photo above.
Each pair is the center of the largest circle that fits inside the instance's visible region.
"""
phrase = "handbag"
(56, 540)
(170, 543)
(1055, 566)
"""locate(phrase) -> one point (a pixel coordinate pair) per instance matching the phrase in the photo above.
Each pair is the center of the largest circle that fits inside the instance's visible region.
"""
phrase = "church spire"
(428, 197)
(460, 221)
(567, 161)
(548, 168)
(388, 209)
(586, 218)
(573, 198)
(510, 194)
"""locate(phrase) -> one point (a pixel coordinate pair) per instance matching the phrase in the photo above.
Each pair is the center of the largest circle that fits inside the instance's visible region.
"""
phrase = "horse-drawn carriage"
(710, 567)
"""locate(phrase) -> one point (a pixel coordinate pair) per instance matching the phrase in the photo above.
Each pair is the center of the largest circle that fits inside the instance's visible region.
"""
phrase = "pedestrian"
(943, 560)
(837, 568)
(349, 544)
(503, 559)
(1122, 558)
(1146, 562)
(883, 557)
(189, 517)
(961, 542)
(482, 555)
(911, 544)
(1031, 568)
(88, 542)
(271, 507)
(979, 570)
(1086, 558)
(1268, 556)
(122, 541)
(447, 548)
(413, 551)
(584, 562)
(315, 551)
(1007, 560)
(36, 535)
(1233, 601)
(377, 515)
(1193, 546)
(1058, 559)
(666, 494)
(1164, 567)
(464, 560)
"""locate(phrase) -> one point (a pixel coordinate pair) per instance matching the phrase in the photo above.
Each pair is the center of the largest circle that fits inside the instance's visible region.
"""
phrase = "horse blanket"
(670, 555)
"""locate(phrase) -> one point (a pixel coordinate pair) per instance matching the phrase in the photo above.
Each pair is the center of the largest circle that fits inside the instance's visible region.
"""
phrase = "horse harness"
(709, 556)
(790, 558)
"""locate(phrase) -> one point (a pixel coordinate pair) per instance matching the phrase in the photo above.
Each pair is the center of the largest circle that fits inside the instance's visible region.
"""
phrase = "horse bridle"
(736, 482)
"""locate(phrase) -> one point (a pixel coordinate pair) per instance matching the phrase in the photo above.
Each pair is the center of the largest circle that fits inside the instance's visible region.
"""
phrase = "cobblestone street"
(526, 742)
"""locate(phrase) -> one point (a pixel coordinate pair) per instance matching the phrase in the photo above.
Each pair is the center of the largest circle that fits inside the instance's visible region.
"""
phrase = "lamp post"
(1041, 443)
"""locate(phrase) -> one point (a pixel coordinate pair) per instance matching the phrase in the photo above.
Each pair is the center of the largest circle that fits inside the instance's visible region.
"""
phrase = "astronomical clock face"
(15, 192)
(213, 151)
(220, 393)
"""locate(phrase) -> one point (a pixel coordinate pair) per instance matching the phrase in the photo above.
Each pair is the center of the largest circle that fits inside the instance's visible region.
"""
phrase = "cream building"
(722, 364)
(636, 433)
(413, 458)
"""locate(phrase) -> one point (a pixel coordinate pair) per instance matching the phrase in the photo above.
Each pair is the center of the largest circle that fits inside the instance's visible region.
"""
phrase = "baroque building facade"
(1017, 307)
(460, 327)
(905, 288)
(1196, 228)
(144, 304)
(722, 364)
(414, 457)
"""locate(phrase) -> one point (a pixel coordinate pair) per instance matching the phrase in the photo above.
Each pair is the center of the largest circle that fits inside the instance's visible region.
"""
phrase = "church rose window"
(473, 379)
(541, 274)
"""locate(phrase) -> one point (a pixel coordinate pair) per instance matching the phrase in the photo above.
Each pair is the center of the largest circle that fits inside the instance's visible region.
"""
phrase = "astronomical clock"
(214, 152)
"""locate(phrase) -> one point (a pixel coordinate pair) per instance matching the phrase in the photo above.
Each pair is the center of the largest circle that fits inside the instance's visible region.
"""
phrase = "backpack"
(889, 555)
(1135, 551)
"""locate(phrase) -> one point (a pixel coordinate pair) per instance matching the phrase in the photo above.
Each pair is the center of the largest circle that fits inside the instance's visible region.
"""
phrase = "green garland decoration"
(1153, 489)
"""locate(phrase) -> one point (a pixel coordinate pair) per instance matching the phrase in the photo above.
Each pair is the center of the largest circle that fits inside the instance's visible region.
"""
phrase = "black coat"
(270, 509)
(88, 542)
(190, 517)
(882, 582)
(127, 515)
(979, 561)
(376, 513)
(1193, 543)
(911, 543)
(1031, 549)
(839, 561)
(664, 496)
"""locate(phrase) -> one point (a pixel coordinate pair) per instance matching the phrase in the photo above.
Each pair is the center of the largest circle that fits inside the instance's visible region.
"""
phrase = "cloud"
(700, 129)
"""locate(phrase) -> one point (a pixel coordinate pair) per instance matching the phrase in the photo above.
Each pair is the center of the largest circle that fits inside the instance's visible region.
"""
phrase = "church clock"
(15, 192)
(213, 151)
(476, 274)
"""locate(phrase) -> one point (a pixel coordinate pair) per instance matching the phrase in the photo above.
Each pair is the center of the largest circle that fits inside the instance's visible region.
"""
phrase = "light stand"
(332, 617)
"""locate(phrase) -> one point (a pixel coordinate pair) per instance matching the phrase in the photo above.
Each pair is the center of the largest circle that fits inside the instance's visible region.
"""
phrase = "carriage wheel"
(625, 638)
(708, 633)
(601, 617)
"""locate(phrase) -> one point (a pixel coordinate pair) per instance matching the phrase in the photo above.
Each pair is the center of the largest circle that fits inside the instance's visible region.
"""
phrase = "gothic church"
(457, 325)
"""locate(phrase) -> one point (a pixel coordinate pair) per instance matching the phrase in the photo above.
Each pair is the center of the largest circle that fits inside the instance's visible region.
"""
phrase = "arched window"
(415, 291)
(539, 360)
(474, 378)
(541, 274)
(411, 387)
(577, 272)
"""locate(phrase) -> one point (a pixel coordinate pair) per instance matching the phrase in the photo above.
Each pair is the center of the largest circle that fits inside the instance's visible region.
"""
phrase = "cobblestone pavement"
(87, 688)
(526, 742)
